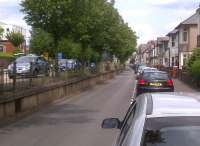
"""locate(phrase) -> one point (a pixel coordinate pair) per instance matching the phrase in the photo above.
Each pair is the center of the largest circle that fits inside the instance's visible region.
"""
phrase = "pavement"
(182, 87)
(77, 121)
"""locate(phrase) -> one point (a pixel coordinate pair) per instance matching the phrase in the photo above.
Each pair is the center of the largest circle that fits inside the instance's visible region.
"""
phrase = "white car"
(160, 119)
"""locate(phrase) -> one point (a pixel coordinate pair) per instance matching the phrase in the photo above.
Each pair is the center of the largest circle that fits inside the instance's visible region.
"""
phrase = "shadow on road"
(52, 116)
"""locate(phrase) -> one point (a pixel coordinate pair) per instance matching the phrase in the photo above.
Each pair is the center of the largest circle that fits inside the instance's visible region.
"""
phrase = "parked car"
(159, 119)
(68, 64)
(92, 67)
(30, 65)
(138, 66)
(140, 69)
(154, 81)
(149, 69)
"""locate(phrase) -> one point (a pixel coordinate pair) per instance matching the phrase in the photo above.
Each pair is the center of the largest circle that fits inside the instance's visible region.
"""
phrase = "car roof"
(155, 71)
(173, 104)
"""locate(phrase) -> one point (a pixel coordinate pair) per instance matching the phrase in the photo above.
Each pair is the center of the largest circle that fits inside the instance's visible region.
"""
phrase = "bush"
(6, 56)
(195, 70)
(195, 56)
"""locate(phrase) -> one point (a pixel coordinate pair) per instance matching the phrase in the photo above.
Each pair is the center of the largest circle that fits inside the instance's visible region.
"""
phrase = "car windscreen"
(155, 76)
(25, 59)
(172, 131)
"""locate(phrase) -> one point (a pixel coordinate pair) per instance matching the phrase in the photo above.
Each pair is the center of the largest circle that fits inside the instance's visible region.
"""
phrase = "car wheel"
(35, 73)
(10, 76)
(47, 72)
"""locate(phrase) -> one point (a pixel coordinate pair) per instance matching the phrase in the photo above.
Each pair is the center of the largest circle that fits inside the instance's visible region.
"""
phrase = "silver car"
(160, 119)
(30, 65)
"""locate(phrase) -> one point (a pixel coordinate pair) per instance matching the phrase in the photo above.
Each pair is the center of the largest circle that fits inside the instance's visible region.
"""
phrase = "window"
(127, 123)
(185, 35)
(173, 61)
(173, 41)
(155, 76)
(172, 131)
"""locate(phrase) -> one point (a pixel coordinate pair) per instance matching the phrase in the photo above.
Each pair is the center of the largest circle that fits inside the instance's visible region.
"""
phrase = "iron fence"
(15, 80)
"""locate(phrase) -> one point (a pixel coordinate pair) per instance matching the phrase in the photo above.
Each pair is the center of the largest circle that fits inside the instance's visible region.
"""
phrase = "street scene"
(99, 73)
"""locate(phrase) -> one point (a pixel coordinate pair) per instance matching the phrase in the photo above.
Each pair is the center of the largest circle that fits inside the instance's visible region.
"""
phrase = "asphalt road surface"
(75, 121)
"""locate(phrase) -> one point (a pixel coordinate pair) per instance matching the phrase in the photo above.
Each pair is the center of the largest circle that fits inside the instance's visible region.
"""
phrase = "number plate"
(155, 84)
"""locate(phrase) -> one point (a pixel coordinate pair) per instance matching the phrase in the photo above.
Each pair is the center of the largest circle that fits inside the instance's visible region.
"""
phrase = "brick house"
(5, 45)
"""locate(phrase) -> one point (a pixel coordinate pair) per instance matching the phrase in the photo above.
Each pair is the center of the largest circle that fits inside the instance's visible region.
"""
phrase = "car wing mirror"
(111, 123)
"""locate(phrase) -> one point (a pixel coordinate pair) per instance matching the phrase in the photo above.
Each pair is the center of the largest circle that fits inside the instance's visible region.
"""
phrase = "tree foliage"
(1, 32)
(195, 70)
(16, 38)
(95, 25)
(69, 48)
(195, 56)
(41, 42)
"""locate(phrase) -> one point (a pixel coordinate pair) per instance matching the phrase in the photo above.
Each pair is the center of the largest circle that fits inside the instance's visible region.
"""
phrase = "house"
(173, 47)
(163, 51)
(5, 45)
(143, 54)
(187, 38)
(152, 52)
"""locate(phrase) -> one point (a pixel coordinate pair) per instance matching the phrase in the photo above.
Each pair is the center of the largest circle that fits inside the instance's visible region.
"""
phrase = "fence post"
(14, 75)
(1, 79)
(31, 74)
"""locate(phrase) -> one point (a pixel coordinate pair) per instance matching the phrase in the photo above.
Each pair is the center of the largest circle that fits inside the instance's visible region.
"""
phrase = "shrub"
(195, 56)
(195, 70)
(6, 56)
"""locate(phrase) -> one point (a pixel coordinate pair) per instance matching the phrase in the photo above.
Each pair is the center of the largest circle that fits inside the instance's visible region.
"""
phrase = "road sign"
(60, 55)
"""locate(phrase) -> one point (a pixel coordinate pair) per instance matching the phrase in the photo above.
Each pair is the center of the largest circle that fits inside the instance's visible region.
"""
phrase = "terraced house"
(187, 38)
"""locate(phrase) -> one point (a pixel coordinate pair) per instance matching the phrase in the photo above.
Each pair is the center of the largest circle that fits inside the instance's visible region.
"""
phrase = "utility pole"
(198, 35)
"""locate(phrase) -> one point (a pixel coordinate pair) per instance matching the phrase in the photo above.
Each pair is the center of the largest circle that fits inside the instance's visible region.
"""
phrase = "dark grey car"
(28, 66)
(160, 119)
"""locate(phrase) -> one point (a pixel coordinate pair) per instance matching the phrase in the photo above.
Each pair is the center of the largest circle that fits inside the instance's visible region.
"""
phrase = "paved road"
(75, 121)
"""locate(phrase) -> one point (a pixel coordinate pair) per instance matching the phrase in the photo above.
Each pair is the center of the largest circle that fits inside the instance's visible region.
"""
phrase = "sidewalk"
(182, 87)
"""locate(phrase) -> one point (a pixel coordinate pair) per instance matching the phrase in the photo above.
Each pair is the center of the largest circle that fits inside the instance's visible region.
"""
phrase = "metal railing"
(12, 81)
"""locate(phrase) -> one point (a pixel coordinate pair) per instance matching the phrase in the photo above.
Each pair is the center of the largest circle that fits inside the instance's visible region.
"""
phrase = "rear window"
(155, 76)
(172, 131)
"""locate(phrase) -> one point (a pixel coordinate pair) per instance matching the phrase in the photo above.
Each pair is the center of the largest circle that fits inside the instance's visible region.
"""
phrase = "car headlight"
(10, 67)
(27, 67)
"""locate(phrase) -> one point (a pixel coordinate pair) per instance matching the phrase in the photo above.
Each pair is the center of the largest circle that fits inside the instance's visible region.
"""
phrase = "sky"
(148, 18)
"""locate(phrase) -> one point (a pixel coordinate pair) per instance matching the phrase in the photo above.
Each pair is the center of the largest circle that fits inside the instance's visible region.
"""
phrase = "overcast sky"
(149, 18)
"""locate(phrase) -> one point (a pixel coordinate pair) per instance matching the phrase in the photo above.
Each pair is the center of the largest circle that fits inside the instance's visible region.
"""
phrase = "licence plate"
(155, 84)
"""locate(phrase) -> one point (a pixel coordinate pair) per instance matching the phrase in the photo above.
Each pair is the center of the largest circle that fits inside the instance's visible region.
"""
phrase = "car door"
(41, 65)
(126, 124)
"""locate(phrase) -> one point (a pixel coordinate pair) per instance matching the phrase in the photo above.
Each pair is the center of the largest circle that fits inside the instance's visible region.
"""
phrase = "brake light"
(141, 82)
(169, 83)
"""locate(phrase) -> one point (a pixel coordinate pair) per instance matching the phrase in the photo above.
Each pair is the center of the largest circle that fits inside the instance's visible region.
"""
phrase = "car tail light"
(141, 82)
(169, 83)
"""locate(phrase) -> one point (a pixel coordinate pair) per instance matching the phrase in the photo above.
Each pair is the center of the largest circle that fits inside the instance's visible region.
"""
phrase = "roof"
(192, 20)
(175, 104)
(162, 39)
(172, 32)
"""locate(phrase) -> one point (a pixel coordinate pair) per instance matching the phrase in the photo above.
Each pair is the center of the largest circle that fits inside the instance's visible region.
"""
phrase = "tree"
(195, 56)
(69, 48)
(195, 70)
(93, 24)
(16, 38)
(1, 32)
(41, 42)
